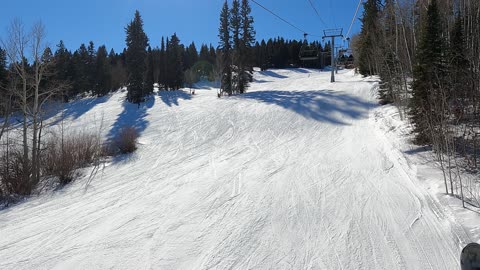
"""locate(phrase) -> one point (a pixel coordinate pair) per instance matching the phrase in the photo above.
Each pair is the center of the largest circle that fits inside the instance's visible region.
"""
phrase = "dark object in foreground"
(470, 257)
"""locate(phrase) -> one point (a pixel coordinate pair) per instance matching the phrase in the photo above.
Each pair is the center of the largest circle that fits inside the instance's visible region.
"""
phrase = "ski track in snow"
(292, 175)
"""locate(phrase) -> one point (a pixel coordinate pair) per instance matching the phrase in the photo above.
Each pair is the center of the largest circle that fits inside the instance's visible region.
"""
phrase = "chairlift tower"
(333, 33)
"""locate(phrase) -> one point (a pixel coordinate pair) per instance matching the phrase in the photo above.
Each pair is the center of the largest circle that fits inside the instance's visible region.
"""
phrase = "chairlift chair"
(307, 52)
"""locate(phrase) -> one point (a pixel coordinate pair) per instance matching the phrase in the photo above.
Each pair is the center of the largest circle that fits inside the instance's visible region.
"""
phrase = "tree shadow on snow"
(300, 70)
(124, 158)
(417, 150)
(325, 105)
(272, 74)
(75, 108)
(171, 98)
(261, 81)
(132, 115)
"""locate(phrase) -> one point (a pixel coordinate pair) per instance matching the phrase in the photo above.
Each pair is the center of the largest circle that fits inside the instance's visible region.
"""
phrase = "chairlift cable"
(282, 19)
(353, 19)
(316, 11)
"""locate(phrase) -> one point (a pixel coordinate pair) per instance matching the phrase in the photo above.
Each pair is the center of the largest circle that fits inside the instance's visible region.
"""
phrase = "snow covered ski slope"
(295, 174)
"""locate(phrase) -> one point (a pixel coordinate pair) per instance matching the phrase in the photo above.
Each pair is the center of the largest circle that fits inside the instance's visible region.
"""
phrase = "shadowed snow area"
(322, 105)
(291, 175)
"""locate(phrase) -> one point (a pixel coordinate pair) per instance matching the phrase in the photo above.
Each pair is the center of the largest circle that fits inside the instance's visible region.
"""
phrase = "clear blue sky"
(103, 21)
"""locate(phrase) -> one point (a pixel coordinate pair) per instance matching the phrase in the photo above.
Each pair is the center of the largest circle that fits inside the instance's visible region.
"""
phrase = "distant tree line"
(97, 71)
(281, 53)
(427, 55)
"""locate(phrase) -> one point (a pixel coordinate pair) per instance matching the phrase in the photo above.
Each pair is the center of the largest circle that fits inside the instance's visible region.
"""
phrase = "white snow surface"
(295, 174)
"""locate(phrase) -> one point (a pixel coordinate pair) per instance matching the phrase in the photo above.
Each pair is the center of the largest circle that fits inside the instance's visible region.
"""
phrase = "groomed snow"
(295, 174)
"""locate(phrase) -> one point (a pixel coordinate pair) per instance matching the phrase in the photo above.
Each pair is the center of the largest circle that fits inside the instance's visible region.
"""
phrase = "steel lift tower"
(333, 33)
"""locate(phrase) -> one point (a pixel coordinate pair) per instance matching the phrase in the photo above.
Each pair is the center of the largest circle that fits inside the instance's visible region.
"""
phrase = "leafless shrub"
(126, 140)
(12, 173)
(65, 153)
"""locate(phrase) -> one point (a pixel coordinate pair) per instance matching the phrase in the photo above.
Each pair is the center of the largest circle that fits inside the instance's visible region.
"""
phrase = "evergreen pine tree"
(168, 70)
(204, 53)
(118, 70)
(163, 66)
(81, 71)
(427, 74)
(3, 81)
(62, 69)
(458, 68)
(175, 62)
(91, 66)
(368, 38)
(156, 64)
(191, 56)
(235, 26)
(225, 48)
(294, 52)
(263, 57)
(103, 74)
(245, 48)
(3, 67)
(112, 57)
(136, 54)
(388, 69)
(49, 80)
(213, 55)
(62, 60)
(149, 79)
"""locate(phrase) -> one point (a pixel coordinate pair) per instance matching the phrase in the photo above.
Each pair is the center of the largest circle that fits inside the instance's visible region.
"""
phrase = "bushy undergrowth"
(62, 153)
(14, 173)
(126, 140)
(65, 153)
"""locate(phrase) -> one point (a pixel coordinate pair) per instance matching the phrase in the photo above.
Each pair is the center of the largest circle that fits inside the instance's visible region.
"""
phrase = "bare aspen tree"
(16, 48)
(30, 60)
(42, 62)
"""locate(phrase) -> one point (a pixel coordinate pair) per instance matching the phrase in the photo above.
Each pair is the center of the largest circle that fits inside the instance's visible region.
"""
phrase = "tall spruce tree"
(246, 43)
(225, 48)
(190, 56)
(168, 70)
(235, 27)
(367, 61)
(213, 55)
(388, 71)
(427, 76)
(91, 65)
(149, 76)
(162, 77)
(204, 53)
(118, 69)
(3, 69)
(175, 62)
(460, 85)
(103, 73)
(61, 71)
(3, 82)
(81, 70)
(136, 55)
(62, 62)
